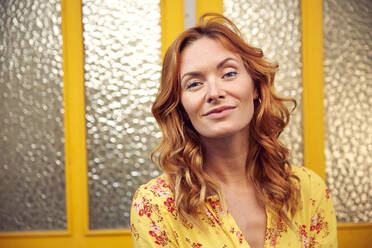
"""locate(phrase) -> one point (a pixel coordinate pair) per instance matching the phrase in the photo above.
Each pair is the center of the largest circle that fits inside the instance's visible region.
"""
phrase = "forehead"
(203, 52)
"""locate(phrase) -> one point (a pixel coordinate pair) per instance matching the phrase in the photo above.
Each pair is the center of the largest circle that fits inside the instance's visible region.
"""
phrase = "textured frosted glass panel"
(348, 106)
(32, 179)
(122, 71)
(274, 26)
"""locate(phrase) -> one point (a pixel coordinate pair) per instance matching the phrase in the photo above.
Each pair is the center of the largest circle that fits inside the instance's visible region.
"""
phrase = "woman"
(227, 181)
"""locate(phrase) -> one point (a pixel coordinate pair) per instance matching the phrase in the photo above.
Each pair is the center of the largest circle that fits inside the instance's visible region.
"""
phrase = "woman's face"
(216, 90)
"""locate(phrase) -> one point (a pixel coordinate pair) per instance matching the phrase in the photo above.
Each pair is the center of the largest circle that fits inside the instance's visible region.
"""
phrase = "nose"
(215, 93)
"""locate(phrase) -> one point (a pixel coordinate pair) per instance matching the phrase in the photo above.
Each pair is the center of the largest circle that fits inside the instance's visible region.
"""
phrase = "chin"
(223, 132)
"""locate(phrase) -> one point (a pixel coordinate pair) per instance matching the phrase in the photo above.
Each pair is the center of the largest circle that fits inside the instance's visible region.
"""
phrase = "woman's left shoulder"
(306, 174)
(316, 219)
(310, 183)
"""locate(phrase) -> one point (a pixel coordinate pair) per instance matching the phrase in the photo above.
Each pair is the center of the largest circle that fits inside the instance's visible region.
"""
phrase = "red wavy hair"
(180, 153)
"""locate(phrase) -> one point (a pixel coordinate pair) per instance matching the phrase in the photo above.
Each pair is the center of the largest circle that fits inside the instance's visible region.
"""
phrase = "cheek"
(247, 93)
(192, 110)
(188, 106)
(192, 102)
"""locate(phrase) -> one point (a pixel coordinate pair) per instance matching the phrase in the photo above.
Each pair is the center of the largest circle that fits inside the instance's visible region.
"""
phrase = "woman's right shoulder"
(151, 214)
(157, 189)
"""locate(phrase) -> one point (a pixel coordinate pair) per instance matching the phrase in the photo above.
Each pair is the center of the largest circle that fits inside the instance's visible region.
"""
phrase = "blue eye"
(230, 74)
(192, 84)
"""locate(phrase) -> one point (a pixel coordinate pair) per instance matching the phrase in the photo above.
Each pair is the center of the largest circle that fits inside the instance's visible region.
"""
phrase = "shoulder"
(156, 189)
(152, 214)
(305, 173)
(316, 219)
(312, 186)
(307, 176)
(154, 195)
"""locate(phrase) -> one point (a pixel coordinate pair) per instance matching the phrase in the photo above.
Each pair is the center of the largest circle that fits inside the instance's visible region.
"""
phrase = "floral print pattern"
(238, 234)
(155, 221)
(275, 233)
(160, 236)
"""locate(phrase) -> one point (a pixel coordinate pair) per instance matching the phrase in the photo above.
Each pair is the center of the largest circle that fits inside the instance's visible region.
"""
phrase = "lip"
(219, 110)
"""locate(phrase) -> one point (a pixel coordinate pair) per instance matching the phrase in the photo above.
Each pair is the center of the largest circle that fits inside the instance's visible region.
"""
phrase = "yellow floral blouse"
(155, 221)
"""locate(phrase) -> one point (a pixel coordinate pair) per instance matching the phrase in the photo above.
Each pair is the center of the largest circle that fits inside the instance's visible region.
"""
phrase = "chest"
(242, 225)
(250, 216)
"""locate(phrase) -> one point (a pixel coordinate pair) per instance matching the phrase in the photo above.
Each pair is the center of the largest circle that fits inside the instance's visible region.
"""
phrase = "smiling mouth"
(219, 110)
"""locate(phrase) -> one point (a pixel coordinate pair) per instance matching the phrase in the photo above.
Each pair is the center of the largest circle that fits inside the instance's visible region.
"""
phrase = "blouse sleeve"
(148, 223)
(323, 227)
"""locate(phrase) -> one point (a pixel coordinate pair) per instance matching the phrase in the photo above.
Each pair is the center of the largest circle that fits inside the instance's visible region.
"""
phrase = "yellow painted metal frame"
(205, 6)
(172, 23)
(312, 73)
(349, 234)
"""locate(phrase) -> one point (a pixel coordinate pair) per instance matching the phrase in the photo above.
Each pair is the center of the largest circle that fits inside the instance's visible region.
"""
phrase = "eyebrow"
(197, 74)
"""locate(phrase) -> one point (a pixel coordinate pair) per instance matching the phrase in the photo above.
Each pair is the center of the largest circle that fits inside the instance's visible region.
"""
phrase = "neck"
(226, 160)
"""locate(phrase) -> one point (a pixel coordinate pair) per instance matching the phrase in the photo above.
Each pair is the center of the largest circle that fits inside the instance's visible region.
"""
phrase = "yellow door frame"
(349, 234)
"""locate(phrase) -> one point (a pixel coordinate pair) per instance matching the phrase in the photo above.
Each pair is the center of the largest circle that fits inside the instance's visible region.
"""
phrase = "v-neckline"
(230, 219)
